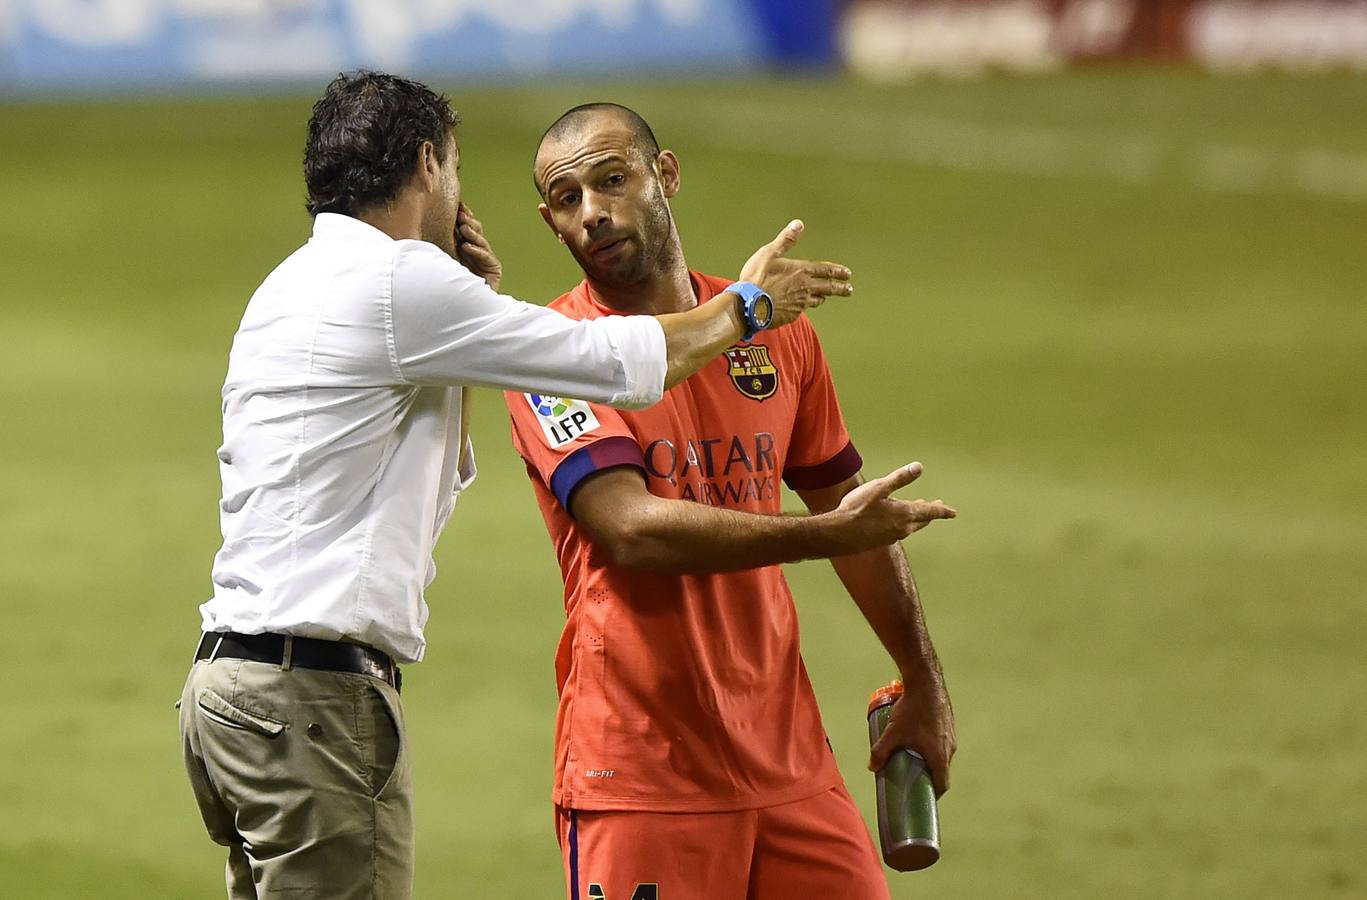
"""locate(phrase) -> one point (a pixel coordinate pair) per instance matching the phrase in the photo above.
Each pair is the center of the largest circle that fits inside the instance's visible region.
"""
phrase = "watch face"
(764, 310)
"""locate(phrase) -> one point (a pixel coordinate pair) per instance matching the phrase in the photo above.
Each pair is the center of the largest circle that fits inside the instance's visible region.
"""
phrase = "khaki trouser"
(304, 776)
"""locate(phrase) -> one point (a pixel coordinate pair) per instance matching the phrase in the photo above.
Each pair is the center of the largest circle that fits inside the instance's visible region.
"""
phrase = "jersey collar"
(701, 289)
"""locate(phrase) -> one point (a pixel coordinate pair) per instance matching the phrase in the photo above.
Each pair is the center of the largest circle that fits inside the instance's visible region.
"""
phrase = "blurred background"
(1112, 263)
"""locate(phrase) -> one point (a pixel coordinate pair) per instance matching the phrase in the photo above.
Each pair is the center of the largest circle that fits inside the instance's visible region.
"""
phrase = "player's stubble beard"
(439, 219)
(659, 251)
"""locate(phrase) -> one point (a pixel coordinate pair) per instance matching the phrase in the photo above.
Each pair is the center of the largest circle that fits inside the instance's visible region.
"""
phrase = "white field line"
(1043, 152)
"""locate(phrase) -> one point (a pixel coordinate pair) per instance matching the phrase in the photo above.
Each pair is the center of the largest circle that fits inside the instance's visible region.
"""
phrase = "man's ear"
(669, 172)
(429, 167)
(546, 217)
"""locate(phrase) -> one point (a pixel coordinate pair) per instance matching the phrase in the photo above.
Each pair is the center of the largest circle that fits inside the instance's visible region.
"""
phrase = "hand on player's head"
(795, 285)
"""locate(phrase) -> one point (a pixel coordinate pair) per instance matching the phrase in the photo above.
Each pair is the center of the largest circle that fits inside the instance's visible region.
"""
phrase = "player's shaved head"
(575, 123)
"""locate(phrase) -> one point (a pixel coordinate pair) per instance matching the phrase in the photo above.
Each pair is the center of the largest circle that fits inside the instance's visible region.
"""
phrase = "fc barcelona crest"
(752, 371)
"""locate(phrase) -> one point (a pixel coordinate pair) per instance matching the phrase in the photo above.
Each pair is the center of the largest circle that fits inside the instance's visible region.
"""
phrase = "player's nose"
(595, 214)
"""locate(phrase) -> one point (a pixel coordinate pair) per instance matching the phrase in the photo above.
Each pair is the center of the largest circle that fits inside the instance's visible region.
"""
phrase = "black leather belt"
(307, 653)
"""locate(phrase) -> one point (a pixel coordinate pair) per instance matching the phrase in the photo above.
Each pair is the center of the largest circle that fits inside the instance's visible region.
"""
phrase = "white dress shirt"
(341, 416)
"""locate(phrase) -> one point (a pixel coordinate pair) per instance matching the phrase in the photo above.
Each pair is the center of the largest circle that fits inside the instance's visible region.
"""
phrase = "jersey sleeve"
(446, 326)
(565, 441)
(821, 453)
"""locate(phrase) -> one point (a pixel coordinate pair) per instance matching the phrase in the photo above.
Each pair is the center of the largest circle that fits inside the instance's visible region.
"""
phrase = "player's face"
(605, 200)
(439, 219)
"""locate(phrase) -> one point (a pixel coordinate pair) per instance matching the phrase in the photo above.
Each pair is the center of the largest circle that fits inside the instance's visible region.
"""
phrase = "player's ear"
(546, 217)
(669, 172)
(429, 166)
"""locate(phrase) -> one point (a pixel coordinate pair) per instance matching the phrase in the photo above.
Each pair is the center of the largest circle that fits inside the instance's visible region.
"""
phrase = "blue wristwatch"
(756, 307)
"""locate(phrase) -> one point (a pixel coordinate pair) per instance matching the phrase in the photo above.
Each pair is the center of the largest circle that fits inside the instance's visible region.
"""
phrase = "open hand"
(794, 285)
(473, 249)
(874, 518)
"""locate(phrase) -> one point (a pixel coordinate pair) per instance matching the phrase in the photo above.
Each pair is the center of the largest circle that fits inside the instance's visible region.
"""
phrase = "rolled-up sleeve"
(447, 326)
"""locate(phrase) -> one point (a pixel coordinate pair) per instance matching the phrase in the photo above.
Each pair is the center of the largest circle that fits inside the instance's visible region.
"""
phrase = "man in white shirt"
(344, 450)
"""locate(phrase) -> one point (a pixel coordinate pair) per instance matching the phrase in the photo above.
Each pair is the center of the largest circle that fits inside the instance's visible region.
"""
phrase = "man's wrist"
(830, 532)
(921, 671)
(734, 317)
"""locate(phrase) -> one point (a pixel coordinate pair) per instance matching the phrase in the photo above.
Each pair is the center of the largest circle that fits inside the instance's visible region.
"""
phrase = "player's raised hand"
(795, 285)
(473, 248)
(871, 517)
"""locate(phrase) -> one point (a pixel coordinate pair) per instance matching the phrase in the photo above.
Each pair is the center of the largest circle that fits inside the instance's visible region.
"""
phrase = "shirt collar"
(334, 226)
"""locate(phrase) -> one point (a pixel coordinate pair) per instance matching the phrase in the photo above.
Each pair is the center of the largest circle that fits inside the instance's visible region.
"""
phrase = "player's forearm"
(690, 538)
(882, 586)
(695, 338)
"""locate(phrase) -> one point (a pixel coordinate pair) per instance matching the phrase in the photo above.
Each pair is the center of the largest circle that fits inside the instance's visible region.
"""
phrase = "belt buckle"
(378, 670)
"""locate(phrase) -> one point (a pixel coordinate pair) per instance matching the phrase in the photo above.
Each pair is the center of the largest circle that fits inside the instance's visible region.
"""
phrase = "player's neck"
(668, 291)
(401, 220)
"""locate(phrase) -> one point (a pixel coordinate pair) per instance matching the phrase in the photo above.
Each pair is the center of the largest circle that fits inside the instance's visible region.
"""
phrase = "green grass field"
(1118, 313)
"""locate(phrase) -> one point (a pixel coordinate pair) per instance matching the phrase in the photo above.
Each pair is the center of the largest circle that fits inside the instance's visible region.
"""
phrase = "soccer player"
(690, 759)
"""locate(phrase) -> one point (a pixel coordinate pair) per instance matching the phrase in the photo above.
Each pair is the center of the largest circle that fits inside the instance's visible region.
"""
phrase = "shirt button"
(314, 730)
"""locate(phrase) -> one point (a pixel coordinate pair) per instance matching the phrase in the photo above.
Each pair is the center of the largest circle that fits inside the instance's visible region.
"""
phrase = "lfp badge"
(562, 419)
(752, 371)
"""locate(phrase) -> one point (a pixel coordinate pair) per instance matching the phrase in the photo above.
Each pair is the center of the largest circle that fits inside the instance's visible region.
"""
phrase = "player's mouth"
(608, 248)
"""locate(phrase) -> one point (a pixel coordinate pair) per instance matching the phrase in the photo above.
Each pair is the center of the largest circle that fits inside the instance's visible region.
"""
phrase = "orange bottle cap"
(885, 695)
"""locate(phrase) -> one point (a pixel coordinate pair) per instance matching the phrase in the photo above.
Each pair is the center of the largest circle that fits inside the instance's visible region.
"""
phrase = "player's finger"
(469, 246)
(939, 775)
(826, 287)
(880, 751)
(480, 259)
(898, 478)
(786, 238)
(826, 270)
(474, 252)
(922, 511)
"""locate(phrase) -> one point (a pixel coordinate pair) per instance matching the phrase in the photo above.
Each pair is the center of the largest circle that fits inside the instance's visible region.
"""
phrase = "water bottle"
(908, 825)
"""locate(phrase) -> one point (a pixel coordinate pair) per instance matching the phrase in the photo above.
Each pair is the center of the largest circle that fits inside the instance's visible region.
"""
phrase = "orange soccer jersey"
(687, 693)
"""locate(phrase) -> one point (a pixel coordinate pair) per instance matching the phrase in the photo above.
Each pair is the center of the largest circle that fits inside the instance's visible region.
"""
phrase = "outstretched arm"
(880, 582)
(637, 529)
(448, 326)
(696, 337)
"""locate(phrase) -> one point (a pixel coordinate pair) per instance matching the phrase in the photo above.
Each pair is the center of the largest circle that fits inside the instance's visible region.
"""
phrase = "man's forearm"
(692, 538)
(882, 586)
(695, 338)
(640, 530)
(681, 537)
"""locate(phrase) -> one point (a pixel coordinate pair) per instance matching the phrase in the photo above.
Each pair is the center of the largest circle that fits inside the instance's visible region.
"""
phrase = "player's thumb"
(899, 478)
(880, 751)
(787, 238)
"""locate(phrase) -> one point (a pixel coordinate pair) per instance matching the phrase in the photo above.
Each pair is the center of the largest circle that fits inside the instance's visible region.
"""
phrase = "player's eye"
(569, 198)
(616, 179)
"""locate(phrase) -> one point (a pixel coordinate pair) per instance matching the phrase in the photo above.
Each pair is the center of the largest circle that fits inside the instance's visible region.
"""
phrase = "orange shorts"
(818, 847)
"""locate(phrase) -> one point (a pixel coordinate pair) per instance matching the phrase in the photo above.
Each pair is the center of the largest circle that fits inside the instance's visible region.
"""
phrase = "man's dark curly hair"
(364, 136)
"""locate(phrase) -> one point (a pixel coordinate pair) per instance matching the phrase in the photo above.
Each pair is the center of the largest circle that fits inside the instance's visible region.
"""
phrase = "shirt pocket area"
(214, 707)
